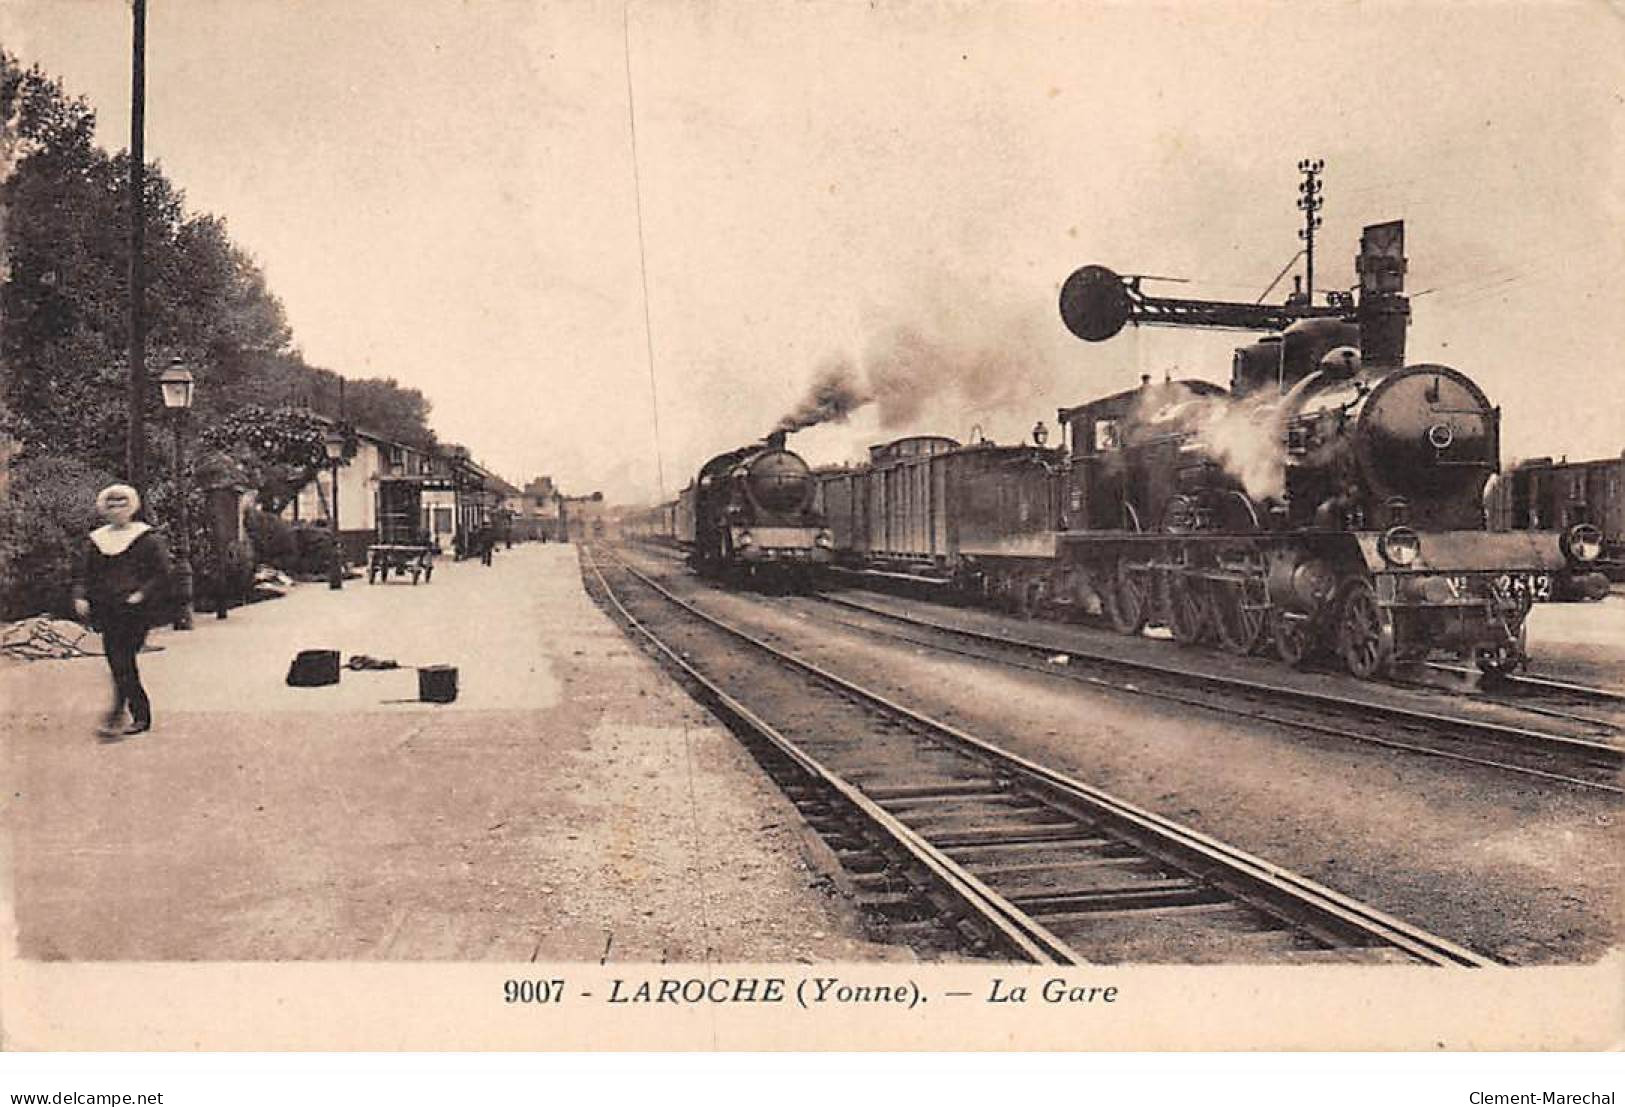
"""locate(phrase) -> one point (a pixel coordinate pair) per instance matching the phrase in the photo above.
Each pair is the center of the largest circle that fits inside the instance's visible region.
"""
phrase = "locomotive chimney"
(775, 441)
(1384, 311)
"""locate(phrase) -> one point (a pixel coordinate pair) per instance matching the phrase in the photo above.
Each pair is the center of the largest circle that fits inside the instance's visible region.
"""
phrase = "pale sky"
(443, 192)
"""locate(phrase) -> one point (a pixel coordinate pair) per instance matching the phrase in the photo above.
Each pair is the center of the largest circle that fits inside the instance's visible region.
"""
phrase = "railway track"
(1535, 695)
(1586, 763)
(1597, 708)
(960, 841)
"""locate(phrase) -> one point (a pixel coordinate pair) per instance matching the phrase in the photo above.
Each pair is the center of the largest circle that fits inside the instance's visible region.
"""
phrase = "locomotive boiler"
(751, 511)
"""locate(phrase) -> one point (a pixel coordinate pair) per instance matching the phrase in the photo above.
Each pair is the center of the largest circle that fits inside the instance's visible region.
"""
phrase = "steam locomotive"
(1330, 500)
(750, 513)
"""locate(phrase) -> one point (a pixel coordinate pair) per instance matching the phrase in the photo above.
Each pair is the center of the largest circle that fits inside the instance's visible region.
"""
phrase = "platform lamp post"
(334, 444)
(176, 383)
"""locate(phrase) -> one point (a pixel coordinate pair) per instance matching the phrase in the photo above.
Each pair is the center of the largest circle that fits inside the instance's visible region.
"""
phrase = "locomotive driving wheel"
(1240, 614)
(1190, 607)
(1294, 637)
(1127, 599)
(1241, 606)
(1365, 637)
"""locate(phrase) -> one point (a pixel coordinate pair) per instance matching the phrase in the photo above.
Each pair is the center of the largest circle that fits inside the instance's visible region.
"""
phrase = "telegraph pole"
(1309, 202)
(135, 447)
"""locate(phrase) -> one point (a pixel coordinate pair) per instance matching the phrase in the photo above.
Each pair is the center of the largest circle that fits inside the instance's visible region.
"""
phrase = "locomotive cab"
(1130, 453)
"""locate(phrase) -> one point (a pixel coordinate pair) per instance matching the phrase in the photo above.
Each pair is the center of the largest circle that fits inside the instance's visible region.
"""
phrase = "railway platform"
(572, 804)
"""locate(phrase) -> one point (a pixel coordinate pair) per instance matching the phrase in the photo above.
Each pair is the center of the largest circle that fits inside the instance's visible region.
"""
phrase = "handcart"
(414, 561)
(403, 548)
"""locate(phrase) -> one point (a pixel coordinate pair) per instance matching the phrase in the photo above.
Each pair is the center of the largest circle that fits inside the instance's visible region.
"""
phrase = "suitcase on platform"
(314, 668)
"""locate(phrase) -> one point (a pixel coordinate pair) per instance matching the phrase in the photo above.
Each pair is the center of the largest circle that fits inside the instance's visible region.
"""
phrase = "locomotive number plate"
(1530, 587)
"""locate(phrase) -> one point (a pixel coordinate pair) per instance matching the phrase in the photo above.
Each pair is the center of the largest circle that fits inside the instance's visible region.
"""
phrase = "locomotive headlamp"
(1583, 542)
(1441, 435)
(744, 540)
(1040, 433)
(824, 540)
(1400, 546)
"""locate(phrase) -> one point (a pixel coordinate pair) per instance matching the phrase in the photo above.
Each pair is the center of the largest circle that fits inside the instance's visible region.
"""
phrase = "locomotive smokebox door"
(1094, 305)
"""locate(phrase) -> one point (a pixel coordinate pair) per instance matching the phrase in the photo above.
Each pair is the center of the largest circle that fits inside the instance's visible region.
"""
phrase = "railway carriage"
(652, 524)
(928, 508)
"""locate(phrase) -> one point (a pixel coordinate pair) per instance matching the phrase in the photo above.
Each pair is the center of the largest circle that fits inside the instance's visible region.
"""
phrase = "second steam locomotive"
(749, 512)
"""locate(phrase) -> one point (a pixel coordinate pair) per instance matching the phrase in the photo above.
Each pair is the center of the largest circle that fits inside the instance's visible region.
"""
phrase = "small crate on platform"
(437, 683)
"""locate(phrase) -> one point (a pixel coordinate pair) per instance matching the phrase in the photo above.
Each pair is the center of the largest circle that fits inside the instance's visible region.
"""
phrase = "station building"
(456, 495)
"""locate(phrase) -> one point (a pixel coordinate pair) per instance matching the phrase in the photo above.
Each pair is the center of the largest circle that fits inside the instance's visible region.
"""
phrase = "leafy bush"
(232, 575)
(49, 507)
(315, 551)
(298, 549)
(274, 540)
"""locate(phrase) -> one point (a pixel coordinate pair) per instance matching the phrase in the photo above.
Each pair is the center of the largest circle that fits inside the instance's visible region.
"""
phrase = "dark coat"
(109, 581)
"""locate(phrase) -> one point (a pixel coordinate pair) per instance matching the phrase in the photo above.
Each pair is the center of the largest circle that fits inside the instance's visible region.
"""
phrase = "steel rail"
(1610, 756)
(1536, 685)
(1291, 897)
(1539, 695)
(1011, 927)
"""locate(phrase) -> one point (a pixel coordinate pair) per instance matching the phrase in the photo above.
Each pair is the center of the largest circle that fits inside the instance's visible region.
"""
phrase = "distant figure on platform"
(118, 582)
(486, 539)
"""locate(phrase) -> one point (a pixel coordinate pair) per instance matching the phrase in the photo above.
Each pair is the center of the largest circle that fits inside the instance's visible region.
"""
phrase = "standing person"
(487, 541)
(117, 584)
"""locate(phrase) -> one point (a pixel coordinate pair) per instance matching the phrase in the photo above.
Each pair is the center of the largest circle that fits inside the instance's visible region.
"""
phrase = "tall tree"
(64, 319)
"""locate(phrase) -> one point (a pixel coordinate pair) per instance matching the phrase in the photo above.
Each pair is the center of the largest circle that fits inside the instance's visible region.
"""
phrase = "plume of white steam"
(1246, 437)
(1248, 440)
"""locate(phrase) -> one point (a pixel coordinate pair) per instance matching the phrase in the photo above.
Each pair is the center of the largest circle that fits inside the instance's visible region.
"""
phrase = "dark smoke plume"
(835, 394)
(958, 362)
(908, 370)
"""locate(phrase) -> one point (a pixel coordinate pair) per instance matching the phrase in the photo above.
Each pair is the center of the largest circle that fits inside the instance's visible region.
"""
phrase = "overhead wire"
(643, 262)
